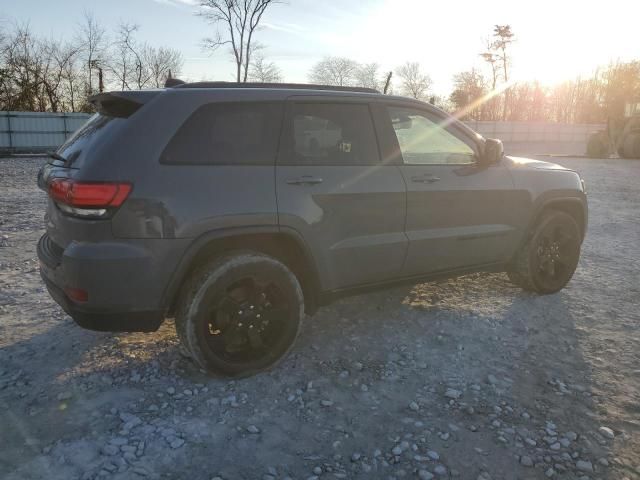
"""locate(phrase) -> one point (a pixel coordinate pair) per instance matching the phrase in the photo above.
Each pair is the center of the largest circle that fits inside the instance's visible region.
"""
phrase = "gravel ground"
(469, 378)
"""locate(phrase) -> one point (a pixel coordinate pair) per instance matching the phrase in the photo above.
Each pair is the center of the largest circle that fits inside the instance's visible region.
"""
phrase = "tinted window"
(332, 134)
(75, 149)
(425, 141)
(227, 134)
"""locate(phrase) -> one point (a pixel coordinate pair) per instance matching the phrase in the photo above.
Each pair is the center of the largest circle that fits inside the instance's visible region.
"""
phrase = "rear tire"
(240, 314)
(547, 261)
(630, 147)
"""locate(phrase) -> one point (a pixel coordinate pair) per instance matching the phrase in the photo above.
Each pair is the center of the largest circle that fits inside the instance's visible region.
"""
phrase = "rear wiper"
(57, 156)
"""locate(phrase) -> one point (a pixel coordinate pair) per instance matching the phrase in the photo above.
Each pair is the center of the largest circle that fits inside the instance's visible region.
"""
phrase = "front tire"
(240, 314)
(546, 263)
(598, 145)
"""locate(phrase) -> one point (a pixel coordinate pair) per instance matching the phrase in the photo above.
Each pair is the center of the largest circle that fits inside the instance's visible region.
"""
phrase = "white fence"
(36, 132)
(538, 137)
(515, 132)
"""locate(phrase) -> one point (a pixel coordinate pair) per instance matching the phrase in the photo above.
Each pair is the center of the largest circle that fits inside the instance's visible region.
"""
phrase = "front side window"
(332, 134)
(425, 141)
(227, 134)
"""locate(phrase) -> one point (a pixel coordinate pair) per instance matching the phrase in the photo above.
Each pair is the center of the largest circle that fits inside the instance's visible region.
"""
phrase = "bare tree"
(492, 59)
(91, 37)
(128, 65)
(158, 62)
(22, 71)
(338, 71)
(58, 62)
(263, 71)
(120, 64)
(240, 19)
(492, 104)
(469, 88)
(368, 75)
(503, 37)
(414, 83)
(72, 89)
(43, 74)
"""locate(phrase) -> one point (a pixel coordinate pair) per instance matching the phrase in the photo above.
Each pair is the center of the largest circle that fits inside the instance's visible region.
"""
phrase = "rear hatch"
(81, 177)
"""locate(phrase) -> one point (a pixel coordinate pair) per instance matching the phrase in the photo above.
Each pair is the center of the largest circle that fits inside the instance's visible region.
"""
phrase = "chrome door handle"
(304, 180)
(425, 179)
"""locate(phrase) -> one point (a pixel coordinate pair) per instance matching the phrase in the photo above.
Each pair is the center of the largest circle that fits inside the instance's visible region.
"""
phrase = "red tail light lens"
(88, 199)
(87, 194)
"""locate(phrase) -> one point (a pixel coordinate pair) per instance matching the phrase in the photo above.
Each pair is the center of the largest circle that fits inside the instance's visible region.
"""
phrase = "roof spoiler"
(121, 104)
(173, 82)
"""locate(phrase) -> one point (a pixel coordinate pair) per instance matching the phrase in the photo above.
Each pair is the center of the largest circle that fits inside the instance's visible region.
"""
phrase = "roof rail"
(303, 86)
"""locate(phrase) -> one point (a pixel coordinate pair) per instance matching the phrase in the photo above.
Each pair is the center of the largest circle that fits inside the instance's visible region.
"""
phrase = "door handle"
(304, 180)
(425, 179)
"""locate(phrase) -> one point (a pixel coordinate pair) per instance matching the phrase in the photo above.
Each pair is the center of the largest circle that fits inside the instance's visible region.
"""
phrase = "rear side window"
(331, 134)
(227, 134)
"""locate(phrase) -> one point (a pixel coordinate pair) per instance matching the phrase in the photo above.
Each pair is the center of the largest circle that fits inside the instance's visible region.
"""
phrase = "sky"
(555, 39)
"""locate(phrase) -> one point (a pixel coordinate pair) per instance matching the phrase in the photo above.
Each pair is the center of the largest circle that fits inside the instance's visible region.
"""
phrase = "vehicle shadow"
(396, 346)
(522, 351)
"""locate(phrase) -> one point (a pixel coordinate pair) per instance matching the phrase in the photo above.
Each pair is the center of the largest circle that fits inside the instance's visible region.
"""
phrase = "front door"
(457, 210)
(333, 189)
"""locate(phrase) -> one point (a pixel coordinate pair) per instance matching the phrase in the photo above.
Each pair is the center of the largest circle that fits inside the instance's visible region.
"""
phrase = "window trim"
(285, 149)
(433, 116)
(278, 134)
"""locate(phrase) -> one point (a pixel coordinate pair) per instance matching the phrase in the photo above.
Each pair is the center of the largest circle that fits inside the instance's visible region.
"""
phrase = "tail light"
(78, 295)
(88, 199)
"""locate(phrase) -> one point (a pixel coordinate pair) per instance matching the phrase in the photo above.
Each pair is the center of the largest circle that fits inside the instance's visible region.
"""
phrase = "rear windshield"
(75, 150)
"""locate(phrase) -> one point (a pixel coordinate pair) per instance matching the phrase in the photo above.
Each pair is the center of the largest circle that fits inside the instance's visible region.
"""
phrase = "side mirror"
(493, 151)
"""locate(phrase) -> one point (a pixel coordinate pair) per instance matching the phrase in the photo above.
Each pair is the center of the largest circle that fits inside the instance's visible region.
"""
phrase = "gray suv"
(238, 208)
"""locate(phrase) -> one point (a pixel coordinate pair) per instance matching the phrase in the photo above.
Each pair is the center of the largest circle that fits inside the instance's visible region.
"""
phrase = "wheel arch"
(574, 206)
(285, 245)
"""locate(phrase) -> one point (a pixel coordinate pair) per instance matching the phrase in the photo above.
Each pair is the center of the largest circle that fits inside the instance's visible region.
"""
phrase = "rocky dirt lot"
(469, 378)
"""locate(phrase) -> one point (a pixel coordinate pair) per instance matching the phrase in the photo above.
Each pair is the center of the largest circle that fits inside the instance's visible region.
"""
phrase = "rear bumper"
(148, 321)
(118, 278)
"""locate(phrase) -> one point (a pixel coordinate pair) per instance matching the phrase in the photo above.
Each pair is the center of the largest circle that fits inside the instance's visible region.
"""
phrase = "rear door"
(334, 190)
(458, 212)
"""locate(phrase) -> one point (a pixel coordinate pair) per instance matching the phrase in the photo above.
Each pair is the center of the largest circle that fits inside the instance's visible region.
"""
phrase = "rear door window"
(331, 134)
(227, 134)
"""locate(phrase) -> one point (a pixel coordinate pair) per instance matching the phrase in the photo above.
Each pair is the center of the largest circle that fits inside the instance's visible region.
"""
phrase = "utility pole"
(387, 83)
(95, 65)
(100, 82)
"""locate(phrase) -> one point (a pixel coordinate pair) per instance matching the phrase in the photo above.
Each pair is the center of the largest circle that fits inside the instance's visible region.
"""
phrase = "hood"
(537, 164)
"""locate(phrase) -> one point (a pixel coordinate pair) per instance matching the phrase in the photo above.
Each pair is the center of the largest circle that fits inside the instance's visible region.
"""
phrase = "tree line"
(491, 96)
(47, 74)
(43, 74)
